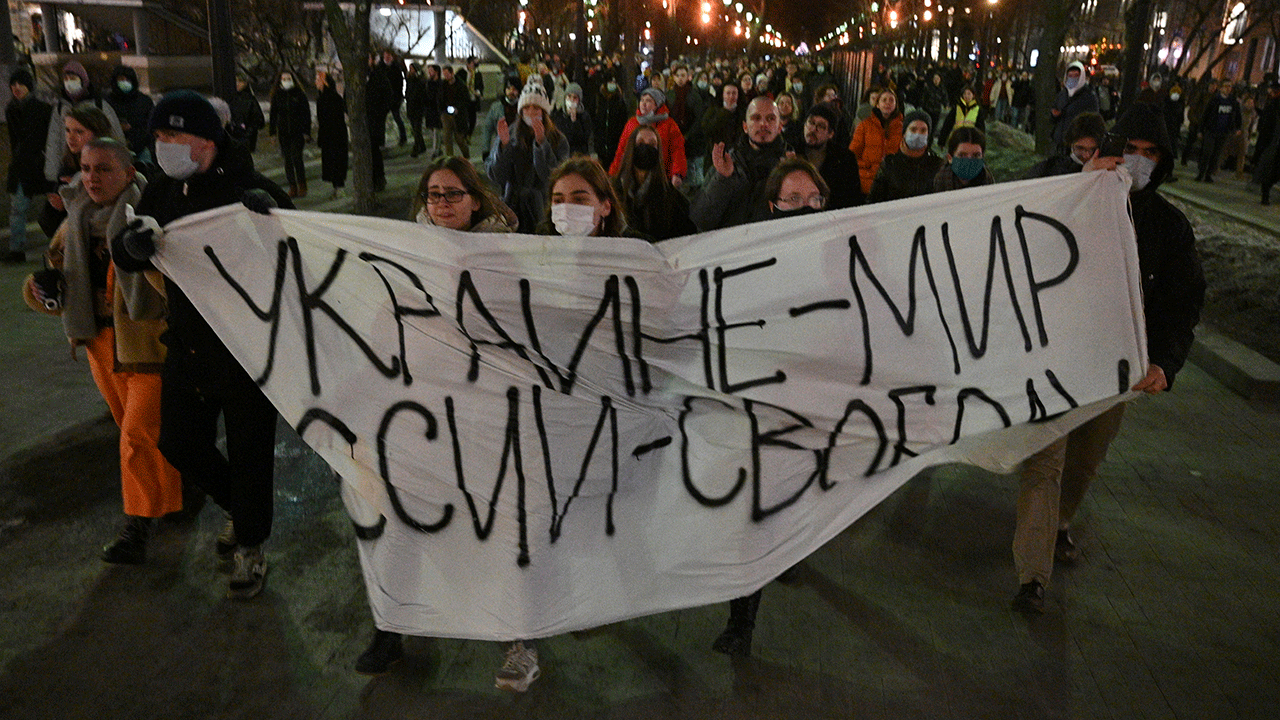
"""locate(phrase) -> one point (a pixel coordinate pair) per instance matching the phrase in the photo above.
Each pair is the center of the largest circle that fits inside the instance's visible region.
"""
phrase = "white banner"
(545, 434)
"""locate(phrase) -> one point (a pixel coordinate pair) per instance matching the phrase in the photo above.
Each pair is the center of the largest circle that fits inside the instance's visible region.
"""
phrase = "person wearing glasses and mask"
(793, 188)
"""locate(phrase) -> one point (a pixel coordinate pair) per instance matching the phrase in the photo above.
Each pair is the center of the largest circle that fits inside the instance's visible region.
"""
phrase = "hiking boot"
(1030, 598)
(520, 669)
(249, 570)
(1065, 549)
(130, 546)
(385, 651)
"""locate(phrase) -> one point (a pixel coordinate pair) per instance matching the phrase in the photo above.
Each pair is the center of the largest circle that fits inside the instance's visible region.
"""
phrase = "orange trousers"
(150, 486)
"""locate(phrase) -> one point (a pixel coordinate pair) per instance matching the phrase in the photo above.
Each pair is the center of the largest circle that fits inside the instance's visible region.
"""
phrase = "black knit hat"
(186, 111)
(920, 115)
(22, 76)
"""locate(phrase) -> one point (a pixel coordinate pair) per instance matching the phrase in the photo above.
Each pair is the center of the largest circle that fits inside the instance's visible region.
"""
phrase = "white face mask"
(1140, 169)
(175, 160)
(1174, 96)
(573, 220)
(286, 84)
(124, 85)
(527, 120)
(72, 85)
(915, 140)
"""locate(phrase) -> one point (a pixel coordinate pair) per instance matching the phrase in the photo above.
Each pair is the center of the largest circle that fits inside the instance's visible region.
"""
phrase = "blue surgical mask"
(967, 168)
(915, 140)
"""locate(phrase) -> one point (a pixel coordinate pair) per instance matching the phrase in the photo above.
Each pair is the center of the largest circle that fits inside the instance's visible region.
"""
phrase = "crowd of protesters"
(655, 154)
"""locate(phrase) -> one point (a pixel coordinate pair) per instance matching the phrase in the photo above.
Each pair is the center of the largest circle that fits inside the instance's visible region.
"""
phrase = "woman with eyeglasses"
(451, 194)
(794, 187)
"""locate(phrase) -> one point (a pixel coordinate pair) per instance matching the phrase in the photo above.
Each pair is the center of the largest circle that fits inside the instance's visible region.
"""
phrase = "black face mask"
(644, 156)
(802, 210)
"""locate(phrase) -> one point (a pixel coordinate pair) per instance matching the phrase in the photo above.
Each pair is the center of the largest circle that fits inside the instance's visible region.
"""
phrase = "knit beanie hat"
(533, 94)
(659, 98)
(573, 88)
(186, 111)
(917, 115)
(22, 76)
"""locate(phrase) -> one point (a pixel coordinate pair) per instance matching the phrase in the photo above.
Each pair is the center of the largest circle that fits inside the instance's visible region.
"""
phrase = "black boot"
(130, 546)
(1266, 194)
(735, 641)
(385, 650)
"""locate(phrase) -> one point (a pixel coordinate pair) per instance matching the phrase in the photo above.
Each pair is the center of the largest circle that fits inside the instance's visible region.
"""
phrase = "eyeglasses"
(815, 201)
(450, 196)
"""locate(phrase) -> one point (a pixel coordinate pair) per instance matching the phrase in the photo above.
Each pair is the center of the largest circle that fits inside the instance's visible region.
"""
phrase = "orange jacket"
(872, 140)
(672, 145)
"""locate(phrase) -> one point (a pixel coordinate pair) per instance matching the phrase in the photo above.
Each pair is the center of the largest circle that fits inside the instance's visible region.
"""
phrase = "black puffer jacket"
(166, 200)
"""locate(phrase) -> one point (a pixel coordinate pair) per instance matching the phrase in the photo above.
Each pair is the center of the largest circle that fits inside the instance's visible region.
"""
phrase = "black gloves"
(138, 240)
(259, 201)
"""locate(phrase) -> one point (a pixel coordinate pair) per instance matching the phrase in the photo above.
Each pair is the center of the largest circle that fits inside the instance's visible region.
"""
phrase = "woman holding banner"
(794, 187)
(450, 195)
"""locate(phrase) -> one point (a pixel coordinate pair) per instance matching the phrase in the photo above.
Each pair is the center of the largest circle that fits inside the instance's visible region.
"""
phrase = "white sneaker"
(248, 572)
(520, 669)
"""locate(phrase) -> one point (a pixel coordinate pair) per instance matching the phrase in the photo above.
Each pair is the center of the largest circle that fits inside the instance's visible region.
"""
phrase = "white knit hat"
(534, 94)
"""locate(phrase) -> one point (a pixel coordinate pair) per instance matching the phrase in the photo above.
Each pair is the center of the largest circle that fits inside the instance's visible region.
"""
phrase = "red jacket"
(672, 145)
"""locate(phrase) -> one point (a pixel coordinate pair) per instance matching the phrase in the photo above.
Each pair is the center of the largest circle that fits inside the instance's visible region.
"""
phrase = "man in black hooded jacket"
(1054, 480)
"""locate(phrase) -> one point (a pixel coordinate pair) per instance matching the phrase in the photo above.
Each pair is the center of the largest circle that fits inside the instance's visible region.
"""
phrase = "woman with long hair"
(82, 124)
(452, 194)
(652, 204)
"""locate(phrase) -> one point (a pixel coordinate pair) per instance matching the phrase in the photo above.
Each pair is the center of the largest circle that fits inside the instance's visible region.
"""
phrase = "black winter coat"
(132, 108)
(166, 200)
(415, 95)
(331, 135)
(290, 114)
(28, 128)
(1173, 282)
(901, 177)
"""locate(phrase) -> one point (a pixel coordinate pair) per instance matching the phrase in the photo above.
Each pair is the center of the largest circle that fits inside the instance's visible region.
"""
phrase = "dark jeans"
(194, 392)
(291, 150)
(1210, 150)
(395, 115)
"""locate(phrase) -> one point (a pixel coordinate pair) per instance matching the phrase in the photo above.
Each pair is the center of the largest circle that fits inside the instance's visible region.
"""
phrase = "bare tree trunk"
(1057, 18)
(351, 38)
